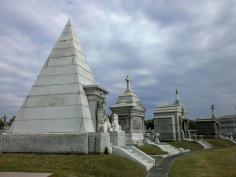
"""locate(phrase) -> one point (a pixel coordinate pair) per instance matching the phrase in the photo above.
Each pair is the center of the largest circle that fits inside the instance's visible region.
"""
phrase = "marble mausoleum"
(228, 125)
(171, 121)
(209, 127)
(130, 113)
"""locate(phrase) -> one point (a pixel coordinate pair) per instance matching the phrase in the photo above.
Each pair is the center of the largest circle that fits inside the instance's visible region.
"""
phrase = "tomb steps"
(204, 144)
(171, 150)
(227, 138)
(134, 154)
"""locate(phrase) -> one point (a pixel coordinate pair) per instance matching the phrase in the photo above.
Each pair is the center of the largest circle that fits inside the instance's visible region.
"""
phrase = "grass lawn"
(209, 163)
(72, 165)
(151, 149)
(193, 146)
(220, 143)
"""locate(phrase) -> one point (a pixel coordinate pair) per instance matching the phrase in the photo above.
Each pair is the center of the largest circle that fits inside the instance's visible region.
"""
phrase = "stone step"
(171, 150)
(136, 155)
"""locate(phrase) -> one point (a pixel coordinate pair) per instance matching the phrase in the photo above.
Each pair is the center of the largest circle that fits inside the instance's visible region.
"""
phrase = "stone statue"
(127, 79)
(103, 121)
(156, 139)
(115, 123)
(147, 138)
(213, 108)
(177, 101)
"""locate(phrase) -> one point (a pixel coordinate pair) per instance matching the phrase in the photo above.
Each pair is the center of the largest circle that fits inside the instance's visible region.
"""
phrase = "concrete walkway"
(22, 174)
(162, 169)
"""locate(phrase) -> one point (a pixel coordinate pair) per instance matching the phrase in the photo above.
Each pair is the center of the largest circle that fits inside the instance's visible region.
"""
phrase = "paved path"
(162, 169)
(21, 174)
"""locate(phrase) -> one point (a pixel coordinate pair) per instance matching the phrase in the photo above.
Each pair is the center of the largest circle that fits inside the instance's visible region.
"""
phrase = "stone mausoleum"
(208, 127)
(131, 113)
(228, 125)
(171, 121)
(65, 109)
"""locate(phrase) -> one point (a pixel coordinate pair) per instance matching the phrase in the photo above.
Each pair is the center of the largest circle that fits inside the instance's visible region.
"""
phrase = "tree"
(149, 124)
(192, 125)
(1, 123)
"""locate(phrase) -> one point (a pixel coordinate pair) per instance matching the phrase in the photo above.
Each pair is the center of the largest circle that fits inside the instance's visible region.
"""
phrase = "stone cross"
(127, 79)
(213, 108)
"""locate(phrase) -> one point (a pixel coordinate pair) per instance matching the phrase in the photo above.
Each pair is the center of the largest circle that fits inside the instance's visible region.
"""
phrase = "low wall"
(54, 143)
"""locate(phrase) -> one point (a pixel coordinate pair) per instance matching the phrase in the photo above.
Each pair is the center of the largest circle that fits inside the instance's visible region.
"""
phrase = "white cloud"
(161, 45)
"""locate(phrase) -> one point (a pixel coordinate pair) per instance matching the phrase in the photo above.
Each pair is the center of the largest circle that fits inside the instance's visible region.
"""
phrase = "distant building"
(228, 125)
(171, 121)
(208, 127)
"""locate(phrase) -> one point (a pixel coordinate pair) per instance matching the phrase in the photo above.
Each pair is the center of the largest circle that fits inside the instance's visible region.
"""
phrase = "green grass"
(220, 143)
(151, 149)
(72, 165)
(209, 163)
(193, 146)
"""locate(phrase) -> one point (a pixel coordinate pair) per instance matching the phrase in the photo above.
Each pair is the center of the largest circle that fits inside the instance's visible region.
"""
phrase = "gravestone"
(130, 113)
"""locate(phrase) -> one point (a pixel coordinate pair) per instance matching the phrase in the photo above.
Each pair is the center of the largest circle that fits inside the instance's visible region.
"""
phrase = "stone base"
(45, 143)
(133, 137)
(97, 142)
(117, 138)
(83, 143)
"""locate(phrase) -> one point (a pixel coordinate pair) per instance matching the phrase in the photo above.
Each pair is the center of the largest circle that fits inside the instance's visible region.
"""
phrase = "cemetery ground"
(212, 163)
(150, 149)
(71, 165)
(219, 161)
(193, 146)
(219, 143)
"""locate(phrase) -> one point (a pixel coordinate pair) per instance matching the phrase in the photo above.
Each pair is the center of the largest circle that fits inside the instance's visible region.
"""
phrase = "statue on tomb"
(177, 101)
(127, 79)
(213, 108)
(146, 138)
(103, 121)
(156, 139)
(115, 123)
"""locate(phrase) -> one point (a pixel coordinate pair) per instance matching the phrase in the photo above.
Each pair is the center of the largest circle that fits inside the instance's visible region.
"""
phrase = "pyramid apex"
(68, 21)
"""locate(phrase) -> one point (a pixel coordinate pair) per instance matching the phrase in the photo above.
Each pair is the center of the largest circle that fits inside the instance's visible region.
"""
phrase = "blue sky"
(161, 44)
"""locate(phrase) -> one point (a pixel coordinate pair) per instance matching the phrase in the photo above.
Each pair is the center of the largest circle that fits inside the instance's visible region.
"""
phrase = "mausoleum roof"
(232, 116)
(128, 99)
(177, 106)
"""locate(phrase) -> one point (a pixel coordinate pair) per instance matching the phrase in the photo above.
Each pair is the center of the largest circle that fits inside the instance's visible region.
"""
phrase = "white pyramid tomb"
(57, 102)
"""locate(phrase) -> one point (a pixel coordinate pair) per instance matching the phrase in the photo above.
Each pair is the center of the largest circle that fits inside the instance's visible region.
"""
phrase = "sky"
(162, 45)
